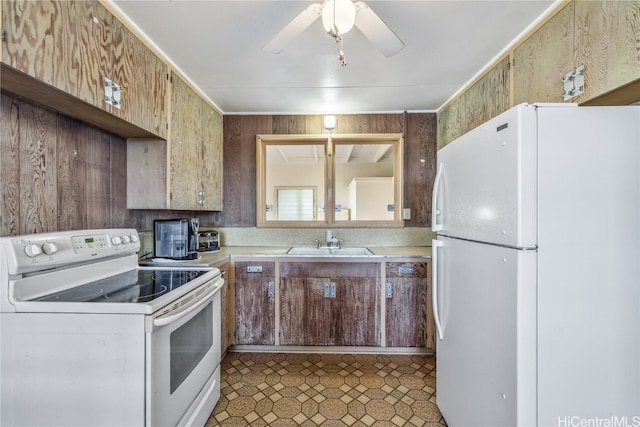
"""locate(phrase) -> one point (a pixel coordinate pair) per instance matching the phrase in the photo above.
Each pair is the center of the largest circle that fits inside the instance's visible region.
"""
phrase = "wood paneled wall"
(240, 132)
(58, 173)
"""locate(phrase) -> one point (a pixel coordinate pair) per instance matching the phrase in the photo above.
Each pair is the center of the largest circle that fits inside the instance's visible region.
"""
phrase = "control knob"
(32, 250)
(126, 239)
(49, 248)
(134, 238)
(116, 240)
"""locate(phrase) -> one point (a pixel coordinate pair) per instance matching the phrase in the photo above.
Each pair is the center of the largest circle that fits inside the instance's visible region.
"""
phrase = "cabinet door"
(184, 146)
(143, 77)
(542, 60)
(308, 316)
(41, 41)
(255, 307)
(94, 30)
(211, 170)
(408, 320)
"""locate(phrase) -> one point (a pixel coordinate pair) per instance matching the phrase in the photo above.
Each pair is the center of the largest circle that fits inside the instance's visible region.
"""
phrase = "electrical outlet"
(406, 214)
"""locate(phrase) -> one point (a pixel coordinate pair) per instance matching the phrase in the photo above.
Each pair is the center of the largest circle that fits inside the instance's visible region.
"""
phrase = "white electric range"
(88, 337)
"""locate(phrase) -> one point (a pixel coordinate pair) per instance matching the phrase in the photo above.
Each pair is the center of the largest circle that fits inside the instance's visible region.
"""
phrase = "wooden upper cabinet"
(41, 40)
(607, 37)
(143, 77)
(68, 48)
(185, 172)
(196, 150)
(542, 60)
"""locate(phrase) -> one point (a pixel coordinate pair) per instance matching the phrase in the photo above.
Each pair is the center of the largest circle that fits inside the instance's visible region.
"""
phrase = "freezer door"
(486, 358)
(486, 182)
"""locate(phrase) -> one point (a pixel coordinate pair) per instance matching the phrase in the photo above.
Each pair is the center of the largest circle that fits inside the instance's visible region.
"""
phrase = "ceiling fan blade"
(294, 28)
(378, 33)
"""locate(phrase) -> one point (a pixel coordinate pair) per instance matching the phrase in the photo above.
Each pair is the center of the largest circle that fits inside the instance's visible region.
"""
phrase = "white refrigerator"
(537, 269)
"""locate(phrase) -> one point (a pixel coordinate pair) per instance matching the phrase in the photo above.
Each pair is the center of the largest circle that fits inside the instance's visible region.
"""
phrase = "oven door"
(183, 353)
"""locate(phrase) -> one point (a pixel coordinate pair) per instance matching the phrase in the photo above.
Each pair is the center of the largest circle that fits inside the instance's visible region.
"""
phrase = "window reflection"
(314, 180)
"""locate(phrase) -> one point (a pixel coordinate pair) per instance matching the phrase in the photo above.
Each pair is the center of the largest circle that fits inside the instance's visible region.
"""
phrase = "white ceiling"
(218, 46)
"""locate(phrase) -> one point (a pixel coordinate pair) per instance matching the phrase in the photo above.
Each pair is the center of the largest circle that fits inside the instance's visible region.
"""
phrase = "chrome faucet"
(332, 241)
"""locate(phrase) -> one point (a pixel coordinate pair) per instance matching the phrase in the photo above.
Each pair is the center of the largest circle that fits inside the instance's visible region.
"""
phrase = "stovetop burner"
(135, 286)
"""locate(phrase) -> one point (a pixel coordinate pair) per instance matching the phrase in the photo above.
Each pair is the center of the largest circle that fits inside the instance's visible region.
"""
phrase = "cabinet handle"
(200, 200)
(271, 290)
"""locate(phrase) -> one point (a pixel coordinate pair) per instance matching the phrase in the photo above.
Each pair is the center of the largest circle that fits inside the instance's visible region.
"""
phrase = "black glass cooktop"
(135, 286)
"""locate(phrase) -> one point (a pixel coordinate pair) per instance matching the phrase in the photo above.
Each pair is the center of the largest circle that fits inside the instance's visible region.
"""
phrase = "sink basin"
(313, 250)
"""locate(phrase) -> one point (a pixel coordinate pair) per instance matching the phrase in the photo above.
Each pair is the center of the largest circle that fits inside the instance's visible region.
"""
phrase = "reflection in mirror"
(294, 180)
(364, 182)
(350, 180)
(295, 204)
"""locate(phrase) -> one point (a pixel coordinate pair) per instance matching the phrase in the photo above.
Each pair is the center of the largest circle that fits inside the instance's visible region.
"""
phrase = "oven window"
(189, 344)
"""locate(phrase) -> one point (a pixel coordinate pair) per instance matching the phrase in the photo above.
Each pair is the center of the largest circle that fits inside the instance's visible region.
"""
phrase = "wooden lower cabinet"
(254, 303)
(346, 314)
(408, 314)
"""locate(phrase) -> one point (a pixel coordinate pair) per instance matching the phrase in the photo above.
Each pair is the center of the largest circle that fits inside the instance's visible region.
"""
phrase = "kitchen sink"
(335, 251)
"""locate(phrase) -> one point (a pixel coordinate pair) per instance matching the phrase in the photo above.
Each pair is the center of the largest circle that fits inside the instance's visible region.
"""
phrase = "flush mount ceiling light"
(329, 122)
(338, 17)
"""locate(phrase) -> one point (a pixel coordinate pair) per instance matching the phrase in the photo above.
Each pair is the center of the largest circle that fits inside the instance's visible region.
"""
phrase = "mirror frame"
(329, 141)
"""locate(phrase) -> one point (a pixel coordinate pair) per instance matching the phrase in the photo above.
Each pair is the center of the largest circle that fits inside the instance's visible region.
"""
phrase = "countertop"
(211, 258)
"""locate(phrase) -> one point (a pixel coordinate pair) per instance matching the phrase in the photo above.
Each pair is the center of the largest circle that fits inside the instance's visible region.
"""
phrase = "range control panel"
(33, 252)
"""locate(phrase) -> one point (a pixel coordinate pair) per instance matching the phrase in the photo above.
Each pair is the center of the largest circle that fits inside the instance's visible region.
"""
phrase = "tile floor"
(276, 389)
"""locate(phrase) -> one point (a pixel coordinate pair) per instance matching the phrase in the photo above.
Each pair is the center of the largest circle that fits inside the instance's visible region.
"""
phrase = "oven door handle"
(165, 320)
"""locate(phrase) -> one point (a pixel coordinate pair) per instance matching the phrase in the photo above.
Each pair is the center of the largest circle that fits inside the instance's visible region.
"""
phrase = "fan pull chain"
(341, 58)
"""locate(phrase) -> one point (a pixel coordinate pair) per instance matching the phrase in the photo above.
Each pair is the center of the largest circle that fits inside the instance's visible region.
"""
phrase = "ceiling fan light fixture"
(338, 16)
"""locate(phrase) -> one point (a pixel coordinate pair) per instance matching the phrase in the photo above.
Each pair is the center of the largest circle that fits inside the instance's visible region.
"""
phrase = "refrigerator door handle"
(435, 226)
(435, 244)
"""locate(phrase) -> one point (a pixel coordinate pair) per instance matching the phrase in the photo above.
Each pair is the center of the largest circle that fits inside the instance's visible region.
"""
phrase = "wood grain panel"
(542, 60)
(38, 201)
(9, 165)
(58, 173)
(240, 156)
(33, 39)
(489, 96)
(232, 150)
(297, 325)
(329, 269)
(98, 189)
(387, 123)
(452, 122)
(607, 43)
(353, 123)
(212, 157)
(94, 24)
(120, 216)
(72, 173)
(407, 312)
(184, 145)
(350, 319)
(143, 77)
(419, 167)
(255, 312)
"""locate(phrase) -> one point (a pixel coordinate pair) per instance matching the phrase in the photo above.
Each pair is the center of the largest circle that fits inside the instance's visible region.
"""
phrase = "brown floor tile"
(278, 389)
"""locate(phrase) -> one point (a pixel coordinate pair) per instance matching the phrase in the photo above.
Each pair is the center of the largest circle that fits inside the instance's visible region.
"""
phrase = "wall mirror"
(329, 180)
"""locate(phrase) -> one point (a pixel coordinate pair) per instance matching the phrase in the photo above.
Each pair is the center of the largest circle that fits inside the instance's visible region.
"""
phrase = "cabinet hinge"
(4, 35)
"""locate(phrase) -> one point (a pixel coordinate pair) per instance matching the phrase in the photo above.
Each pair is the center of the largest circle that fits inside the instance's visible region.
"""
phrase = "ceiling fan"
(338, 17)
